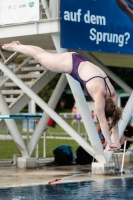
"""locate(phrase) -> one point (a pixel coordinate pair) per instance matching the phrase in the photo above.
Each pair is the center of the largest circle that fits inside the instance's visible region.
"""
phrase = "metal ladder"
(116, 161)
(123, 158)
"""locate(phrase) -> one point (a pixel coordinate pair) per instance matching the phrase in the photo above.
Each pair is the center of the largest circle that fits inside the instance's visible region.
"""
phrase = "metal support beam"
(13, 127)
(54, 8)
(31, 28)
(43, 122)
(10, 59)
(2, 55)
(86, 117)
(49, 111)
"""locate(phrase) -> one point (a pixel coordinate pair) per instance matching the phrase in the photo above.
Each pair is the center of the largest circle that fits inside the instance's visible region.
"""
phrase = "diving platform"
(45, 33)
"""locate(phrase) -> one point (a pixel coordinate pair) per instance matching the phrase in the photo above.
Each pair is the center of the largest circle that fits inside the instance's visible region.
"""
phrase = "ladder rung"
(11, 92)
(33, 62)
(9, 100)
(28, 76)
(28, 69)
(11, 84)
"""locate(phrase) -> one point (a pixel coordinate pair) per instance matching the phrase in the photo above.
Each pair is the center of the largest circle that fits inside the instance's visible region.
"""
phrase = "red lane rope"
(58, 179)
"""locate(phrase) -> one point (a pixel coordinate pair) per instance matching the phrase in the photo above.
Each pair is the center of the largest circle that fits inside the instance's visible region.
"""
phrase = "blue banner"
(97, 25)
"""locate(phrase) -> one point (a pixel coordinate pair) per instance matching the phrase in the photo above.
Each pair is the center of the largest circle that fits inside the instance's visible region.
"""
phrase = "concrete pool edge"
(13, 177)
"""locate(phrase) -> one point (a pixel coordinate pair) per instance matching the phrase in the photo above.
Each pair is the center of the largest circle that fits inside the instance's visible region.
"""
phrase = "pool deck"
(14, 177)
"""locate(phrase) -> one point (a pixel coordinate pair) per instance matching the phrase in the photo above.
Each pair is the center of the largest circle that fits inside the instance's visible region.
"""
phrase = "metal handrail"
(27, 117)
(122, 165)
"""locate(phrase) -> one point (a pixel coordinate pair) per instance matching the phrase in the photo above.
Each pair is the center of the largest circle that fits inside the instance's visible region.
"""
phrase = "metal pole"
(2, 55)
(36, 151)
(27, 131)
(79, 131)
(37, 146)
(86, 116)
(123, 156)
(44, 144)
(54, 8)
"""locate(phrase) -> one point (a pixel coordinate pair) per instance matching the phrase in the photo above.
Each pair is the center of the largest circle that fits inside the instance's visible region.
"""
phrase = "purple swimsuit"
(77, 59)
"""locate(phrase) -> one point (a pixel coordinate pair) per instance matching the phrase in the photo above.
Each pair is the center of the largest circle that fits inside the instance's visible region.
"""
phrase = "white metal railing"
(123, 158)
(76, 123)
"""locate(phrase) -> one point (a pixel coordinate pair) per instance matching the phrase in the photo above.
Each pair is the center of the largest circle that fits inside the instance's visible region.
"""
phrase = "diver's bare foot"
(9, 46)
(17, 42)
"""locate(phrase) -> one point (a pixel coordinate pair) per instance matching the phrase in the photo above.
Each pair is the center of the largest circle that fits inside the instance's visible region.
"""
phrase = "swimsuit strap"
(104, 78)
(107, 85)
(94, 77)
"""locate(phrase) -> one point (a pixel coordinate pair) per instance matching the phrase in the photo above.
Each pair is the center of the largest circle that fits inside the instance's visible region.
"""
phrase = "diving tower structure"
(46, 34)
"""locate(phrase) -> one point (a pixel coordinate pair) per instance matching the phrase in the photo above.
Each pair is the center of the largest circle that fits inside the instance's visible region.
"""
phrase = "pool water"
(112, 189)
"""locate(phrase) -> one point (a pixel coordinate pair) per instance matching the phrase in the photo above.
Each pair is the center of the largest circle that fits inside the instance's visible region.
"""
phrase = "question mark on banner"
(127, 35)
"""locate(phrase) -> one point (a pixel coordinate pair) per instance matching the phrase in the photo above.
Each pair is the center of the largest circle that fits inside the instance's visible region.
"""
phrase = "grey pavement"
(14, 177)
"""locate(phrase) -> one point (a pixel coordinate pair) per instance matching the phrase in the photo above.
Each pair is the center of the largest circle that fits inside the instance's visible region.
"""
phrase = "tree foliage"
(125, 74)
